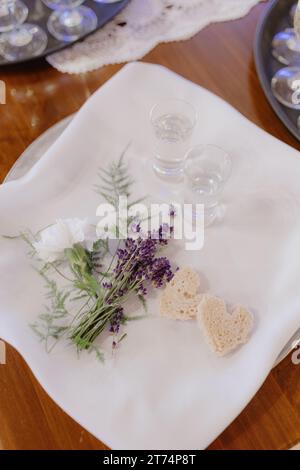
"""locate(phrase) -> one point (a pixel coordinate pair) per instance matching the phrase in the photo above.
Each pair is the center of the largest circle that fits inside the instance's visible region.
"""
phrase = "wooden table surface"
(219, 58)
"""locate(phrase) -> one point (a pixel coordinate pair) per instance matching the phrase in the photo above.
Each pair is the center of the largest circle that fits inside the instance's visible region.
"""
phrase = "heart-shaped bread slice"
(185, 283)
(223, 331)
(179, 309)
(180, 298)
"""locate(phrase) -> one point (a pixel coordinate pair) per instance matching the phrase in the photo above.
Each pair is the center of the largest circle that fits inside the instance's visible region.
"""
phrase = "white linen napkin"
(163, 389)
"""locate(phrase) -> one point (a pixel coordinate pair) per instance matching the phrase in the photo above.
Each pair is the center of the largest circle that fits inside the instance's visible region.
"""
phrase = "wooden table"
(219, 58)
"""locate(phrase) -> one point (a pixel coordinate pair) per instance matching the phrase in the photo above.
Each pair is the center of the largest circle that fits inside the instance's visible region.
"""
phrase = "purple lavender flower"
(106, 285)
(137, 264)
(142, 290)
(116, 320)
(161, 272)
(135, 227)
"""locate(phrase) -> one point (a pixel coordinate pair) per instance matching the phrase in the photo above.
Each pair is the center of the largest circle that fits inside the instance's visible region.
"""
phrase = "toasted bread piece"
(172, 307)
(180, 298)
(185, 282)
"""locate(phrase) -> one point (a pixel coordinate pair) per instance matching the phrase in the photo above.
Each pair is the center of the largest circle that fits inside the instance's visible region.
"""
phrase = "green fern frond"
(115, 181)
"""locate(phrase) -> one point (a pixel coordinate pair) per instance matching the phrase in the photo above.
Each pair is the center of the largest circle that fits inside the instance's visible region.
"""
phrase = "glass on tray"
(286, 48)
(286, 44)
(286, 87)
(70, 19)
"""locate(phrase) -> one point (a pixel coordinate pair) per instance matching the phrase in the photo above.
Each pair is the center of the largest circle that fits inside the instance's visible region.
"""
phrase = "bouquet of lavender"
(136, 266)
(100, 282)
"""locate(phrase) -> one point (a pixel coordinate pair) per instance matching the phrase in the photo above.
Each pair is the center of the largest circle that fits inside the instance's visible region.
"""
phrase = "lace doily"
(141, 26)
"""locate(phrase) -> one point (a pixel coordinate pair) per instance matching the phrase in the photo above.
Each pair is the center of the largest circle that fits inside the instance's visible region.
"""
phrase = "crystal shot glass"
(19, 40)
(173, 122)
(70, 19)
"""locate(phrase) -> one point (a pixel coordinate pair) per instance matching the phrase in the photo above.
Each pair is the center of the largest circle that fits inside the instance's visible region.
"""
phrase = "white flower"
(63, 234)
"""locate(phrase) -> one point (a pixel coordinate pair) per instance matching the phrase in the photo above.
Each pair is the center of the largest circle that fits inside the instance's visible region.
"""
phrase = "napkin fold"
(163, 389)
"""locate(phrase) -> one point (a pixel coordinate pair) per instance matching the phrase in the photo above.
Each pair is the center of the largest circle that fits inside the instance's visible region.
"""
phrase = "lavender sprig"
(102, 288)
(136, 266)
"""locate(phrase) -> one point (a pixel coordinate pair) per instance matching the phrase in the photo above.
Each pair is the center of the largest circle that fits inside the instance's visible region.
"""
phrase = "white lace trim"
(141, 26)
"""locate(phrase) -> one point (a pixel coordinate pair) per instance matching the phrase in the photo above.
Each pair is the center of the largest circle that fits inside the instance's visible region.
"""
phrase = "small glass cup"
(286, 48)
(173, 122)
(12, 13)
(207, 169)
(70, 20)
(286, 44)
(286, 86)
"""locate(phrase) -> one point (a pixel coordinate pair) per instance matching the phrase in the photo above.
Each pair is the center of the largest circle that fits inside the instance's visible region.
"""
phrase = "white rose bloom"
(63, 234)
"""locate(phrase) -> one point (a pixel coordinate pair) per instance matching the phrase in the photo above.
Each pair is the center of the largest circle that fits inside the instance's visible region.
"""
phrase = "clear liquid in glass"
(173, 132)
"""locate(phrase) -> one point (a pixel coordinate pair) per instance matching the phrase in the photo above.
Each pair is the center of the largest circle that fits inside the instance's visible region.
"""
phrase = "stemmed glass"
(70, 20)
(286, 44)
(19, 40)
(286, 82)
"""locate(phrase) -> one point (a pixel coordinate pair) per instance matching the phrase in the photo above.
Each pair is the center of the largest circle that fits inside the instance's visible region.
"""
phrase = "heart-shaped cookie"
(223, 331)
(180, 298)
